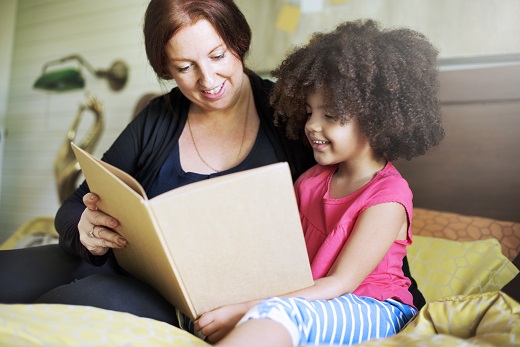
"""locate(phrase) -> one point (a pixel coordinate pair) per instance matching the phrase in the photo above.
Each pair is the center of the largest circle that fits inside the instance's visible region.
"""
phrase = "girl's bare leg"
(258, 332)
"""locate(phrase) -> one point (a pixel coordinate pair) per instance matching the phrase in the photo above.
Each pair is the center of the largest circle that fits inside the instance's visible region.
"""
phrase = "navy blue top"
(171, 175)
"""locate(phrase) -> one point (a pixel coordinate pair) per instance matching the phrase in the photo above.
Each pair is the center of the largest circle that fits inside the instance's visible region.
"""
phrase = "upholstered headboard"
(476, 170)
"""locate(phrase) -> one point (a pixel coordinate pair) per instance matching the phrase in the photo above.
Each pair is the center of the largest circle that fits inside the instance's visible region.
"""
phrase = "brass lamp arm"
(77, 57)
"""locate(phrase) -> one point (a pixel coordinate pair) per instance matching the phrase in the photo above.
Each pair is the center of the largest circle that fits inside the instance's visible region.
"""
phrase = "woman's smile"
(214, 90)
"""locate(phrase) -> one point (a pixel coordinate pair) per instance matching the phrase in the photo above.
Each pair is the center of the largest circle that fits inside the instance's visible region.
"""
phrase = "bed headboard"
(476, 169)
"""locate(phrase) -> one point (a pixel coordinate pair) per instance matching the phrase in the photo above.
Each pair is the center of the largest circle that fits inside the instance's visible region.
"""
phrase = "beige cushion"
(453, 226)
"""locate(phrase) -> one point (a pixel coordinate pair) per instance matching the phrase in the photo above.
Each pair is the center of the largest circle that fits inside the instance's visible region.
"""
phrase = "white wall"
(103, 31)
(7, 20)
(459, 28)
(37, 122)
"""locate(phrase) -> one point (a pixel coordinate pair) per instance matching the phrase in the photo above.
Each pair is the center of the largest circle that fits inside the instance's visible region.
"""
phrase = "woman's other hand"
(96, 228)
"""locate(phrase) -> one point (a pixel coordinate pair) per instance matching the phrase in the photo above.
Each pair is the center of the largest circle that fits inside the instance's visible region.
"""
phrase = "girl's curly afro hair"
(386, 79)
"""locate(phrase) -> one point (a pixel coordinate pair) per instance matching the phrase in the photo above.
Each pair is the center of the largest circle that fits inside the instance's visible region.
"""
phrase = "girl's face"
(332, 142)
(205, 70)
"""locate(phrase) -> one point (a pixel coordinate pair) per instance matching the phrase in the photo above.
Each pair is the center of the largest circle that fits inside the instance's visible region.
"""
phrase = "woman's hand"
(96, 228)
(218, 323)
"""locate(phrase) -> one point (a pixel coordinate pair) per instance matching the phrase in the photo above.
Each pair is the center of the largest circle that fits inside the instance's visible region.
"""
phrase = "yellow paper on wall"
(288, 18)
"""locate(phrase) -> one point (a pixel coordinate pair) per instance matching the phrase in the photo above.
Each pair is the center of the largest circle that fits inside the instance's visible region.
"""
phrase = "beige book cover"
(225, 240)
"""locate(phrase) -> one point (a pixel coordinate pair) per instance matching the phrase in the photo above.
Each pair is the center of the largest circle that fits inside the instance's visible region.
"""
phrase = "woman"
(217, 121)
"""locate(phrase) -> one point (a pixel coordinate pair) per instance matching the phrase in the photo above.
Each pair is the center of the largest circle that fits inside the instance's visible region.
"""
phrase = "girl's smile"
(318, 145)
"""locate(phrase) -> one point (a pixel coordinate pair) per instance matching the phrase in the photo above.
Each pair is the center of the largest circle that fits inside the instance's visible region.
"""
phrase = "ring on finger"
(91, 233)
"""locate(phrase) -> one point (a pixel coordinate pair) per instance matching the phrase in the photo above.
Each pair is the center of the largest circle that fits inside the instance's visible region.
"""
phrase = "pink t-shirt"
(327, 223)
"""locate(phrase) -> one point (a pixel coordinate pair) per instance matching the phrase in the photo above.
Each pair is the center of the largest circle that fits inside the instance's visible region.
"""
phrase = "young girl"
(364, 97)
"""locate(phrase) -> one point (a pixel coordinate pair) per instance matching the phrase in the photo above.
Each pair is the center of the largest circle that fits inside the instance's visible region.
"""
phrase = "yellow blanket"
(489, 319)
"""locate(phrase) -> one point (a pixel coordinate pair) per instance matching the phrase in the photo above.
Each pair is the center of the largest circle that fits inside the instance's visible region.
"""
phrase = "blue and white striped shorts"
(347, 320)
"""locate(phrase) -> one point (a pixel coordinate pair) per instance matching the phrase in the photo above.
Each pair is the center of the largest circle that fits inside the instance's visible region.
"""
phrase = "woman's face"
(205, 70)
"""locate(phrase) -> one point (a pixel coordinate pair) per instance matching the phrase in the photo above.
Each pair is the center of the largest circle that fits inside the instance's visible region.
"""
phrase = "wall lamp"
(66, 79)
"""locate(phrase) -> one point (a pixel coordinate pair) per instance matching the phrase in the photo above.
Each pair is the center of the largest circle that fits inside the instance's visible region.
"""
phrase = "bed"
(465, 261)
(463, 265)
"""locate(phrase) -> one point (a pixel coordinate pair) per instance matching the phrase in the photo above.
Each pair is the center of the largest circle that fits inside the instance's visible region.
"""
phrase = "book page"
(236, 237)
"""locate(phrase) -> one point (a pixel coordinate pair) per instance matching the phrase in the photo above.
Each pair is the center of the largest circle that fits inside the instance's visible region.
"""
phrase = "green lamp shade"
(62, 80)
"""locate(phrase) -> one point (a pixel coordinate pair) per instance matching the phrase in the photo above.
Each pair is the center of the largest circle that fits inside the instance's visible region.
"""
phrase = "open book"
(220, 241)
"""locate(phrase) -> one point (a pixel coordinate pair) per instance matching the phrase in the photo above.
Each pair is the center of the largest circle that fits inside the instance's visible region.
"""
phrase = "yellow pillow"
(446, 268)
(43, 225)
